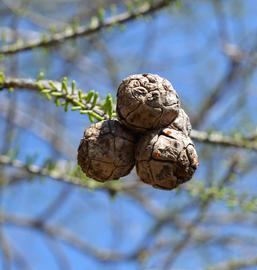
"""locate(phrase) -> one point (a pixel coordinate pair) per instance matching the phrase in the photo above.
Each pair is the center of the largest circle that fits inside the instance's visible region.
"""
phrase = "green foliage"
(40, 76)
(69, 97)
(178, 4)
(113, 8)
(227, 194)
(12, 153)
(101, 15)
(1, 78)
(108, 106)
(30, 159)
(92, 115)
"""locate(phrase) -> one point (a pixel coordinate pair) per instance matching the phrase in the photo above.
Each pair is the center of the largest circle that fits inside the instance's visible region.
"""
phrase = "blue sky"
(182, 45)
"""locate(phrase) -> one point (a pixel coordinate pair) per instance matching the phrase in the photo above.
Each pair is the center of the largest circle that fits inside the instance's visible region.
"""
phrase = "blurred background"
(208, 50)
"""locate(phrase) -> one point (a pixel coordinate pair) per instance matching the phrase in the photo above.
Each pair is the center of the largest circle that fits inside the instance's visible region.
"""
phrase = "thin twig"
(63, 177)
(80, 31)
(221, 139)
(236, 264)
(55, 232)
(203, 209)
(30, 84)
(201, 136)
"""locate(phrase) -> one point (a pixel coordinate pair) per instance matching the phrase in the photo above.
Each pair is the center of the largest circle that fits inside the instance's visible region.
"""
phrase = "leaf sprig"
(69, 97)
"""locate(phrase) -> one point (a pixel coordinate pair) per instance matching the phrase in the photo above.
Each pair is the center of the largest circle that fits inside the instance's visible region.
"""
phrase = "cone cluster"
(152, 132)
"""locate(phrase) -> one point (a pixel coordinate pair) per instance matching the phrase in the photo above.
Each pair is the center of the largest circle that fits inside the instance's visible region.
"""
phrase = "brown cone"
(106, 151)
(166, 158)
(146, 102)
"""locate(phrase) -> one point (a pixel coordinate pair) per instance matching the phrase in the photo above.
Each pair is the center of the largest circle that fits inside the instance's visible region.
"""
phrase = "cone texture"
(146, 102)
(106, 151)
(152, 131)
(166, 158)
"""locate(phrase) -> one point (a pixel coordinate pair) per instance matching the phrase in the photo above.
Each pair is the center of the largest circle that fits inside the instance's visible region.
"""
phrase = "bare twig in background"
(58, 38)
(56, 204)
(63, 176)
(65, 236)
(151, 228)
(206, 137)
(237, 141)
(236, 264)
(6, 250)
(203, 209)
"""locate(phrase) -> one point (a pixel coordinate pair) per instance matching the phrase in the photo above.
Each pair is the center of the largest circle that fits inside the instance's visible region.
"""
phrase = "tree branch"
(236, 264)
(215, 138)
(55, 89)
(58, 175)
(204, 206)
(218, 138)
(56, 39)
(55, 232)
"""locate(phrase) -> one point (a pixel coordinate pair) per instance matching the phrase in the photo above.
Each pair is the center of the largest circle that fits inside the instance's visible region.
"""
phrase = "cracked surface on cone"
(146, 102)
(166, 158)
(106, 151)
(182, 123)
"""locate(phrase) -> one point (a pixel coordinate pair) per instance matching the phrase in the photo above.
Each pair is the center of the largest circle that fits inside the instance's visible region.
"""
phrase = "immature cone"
(182, 123)
(146, 102)
(106, 151)
(166, 158)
